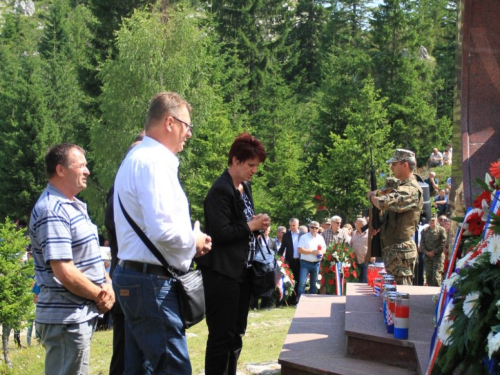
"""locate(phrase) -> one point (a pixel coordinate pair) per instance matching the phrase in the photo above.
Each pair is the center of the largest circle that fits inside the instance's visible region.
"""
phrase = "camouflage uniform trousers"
(400, 261)
(434, 270)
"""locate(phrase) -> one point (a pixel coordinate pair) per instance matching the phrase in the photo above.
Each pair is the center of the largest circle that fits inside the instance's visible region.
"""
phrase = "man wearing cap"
(326, 224)
(401, 215)
(432, 245)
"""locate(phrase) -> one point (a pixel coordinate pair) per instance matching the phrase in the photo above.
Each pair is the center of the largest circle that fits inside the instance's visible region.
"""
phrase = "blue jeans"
(31, 323)
(67, 347)
(308, 268)
(153, 328)
(362, 271)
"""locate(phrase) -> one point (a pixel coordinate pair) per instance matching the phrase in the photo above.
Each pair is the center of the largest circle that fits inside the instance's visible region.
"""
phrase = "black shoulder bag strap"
(147, 241)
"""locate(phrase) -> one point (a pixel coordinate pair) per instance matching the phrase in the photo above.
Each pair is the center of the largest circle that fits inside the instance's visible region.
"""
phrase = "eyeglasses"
(190, 126)
(313, 228)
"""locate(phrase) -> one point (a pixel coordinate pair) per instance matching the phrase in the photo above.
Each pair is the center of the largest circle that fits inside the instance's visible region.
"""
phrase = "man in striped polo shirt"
(68, 264)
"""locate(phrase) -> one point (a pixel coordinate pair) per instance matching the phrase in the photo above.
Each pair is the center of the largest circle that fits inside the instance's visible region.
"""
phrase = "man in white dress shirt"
(148, 185)
(311, 247)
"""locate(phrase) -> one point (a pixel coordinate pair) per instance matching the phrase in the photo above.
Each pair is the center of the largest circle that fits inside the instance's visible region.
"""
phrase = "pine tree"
(305, 37)
(16, 299)
(64, 49)
(344, 71)
(343, 176)
(164, 51)
(26, 123)
(445, 32)
(404, 70)
(257, 30)
(282, 124)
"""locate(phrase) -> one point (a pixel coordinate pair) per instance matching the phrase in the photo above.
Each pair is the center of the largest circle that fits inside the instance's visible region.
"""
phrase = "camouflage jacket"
(401, 212)
(433, 239)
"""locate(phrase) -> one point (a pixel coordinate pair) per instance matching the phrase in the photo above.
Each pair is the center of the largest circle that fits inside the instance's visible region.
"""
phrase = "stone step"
(316, 342)
(367, 337)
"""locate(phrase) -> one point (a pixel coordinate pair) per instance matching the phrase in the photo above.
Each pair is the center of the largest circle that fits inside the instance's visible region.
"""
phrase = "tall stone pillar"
(476, 134)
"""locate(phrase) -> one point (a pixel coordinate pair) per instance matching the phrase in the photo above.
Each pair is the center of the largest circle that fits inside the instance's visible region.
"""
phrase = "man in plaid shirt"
(335, 233)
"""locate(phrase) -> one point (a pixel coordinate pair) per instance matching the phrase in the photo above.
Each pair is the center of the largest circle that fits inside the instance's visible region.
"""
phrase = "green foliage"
(16, 298)
(407, 77)
(305, 39)
(257, 30)
(28, 129)
(64, 49)
(344, 72)
(285, 191)
(344, 170)
(42, 102)
(266, 332)
(291, 73)
(159, 52)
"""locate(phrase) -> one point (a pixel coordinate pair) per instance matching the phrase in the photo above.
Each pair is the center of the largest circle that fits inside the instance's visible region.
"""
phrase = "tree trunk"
(5, 344)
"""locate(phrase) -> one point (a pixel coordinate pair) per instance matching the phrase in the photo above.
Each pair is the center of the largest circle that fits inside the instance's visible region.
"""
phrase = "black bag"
(191, 297)
(190, 290)
(265, 275)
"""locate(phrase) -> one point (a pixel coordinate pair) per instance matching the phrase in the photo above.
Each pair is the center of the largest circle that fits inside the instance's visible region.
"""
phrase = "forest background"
(318, 82)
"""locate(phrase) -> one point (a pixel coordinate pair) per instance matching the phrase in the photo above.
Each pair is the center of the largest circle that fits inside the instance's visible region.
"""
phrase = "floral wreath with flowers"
(338, 253)
(468, 334)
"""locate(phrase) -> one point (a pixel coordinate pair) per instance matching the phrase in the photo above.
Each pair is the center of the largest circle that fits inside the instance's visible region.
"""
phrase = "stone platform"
(346, 335)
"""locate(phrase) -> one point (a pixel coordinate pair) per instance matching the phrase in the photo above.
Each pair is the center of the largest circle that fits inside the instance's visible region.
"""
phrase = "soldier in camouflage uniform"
(432, 245)
(401, 213)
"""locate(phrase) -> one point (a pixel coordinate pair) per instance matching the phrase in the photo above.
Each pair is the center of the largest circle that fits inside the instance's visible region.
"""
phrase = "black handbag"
(265, 274)
(190, 290)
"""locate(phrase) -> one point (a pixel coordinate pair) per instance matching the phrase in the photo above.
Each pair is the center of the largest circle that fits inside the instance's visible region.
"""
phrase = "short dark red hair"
(246, 147)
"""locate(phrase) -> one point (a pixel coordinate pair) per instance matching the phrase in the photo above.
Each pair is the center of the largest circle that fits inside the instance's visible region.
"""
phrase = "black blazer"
(287, 246)
(226, 223)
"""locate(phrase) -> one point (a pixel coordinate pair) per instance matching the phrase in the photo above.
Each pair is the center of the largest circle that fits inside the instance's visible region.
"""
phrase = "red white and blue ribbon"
(338, 279)
(282, 287)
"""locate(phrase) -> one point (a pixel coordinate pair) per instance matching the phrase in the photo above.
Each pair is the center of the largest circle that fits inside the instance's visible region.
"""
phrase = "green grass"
(264, 338)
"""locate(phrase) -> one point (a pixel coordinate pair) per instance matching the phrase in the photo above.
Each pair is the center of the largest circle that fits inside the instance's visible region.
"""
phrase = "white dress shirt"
(148, 185)
(295, 241)
(308, 242)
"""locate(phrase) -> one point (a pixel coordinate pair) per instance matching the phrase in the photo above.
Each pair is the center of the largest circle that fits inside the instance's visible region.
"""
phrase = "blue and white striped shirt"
(60, 229)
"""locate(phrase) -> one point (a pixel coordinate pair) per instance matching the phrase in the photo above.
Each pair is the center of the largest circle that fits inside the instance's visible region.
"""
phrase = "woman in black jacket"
(231, 222)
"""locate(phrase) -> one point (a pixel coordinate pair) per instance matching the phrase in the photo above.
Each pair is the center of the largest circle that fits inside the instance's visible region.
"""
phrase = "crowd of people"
(77, 284)
(438, 158)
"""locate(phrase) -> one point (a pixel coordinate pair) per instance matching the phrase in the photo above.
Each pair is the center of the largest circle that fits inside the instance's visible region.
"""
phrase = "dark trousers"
(227, 303)
(295, 267)
(117, 365)
(362, 272)
(418, 278)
